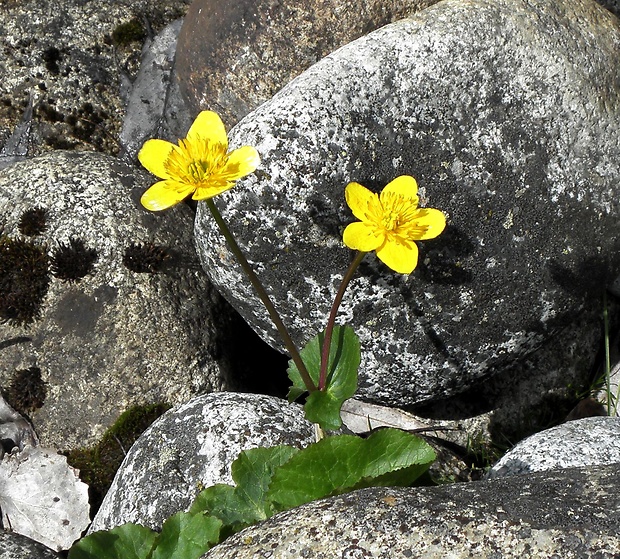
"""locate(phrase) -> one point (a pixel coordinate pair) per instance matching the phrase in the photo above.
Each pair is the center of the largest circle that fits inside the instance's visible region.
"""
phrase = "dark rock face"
(571, 513)
(104, 336)
(15, 546)
(233, 56)
(510, 129)
(74, 60)
(191, 446)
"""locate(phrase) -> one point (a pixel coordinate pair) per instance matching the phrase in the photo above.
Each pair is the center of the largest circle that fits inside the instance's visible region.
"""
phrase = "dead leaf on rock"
(42, 497)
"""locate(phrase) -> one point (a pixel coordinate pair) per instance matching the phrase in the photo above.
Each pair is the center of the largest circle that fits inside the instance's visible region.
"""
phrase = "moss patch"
(99, 464)
(24, 280)
(128, 32)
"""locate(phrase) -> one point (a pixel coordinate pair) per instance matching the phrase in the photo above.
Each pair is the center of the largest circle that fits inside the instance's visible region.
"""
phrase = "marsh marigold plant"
(200, 165)
(391, 222)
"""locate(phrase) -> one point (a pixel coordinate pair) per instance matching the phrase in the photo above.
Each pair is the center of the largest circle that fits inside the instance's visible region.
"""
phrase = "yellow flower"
(391, 222)
(200, 165)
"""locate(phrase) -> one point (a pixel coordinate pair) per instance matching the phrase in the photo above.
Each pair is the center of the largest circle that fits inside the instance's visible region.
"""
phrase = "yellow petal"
(165, 194)
(209, 126)
(153, 156)
(402, 257)
(241, 162)
(212, 190)
(433, 219)
(359, 236)
(358, 198)
(404, 186)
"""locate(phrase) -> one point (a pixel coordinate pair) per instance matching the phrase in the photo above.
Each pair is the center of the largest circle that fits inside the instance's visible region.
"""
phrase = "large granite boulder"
(104, 306)
(193, 446)
(591, 441)
(231, 57)
(570, 514)
(507, 113)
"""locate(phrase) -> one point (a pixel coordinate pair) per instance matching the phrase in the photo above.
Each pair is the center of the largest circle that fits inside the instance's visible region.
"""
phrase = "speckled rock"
(155, 108)
(507, 114)
(76, 59)
(115, 337)
(571, 514)
(585, 442)
(193, 446)
(16, 546)
(234, 56)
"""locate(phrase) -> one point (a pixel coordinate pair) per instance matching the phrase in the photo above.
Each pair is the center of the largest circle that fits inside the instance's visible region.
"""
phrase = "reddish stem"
(329, 329)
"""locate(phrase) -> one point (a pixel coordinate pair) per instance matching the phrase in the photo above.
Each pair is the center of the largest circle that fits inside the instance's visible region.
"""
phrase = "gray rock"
(114, 338)
(234, 56)
(15, 431)
(593, 441)
(570, 514)
(155, 104)
(16, 546)
(72, 56)
(193, 446)
(508, 117)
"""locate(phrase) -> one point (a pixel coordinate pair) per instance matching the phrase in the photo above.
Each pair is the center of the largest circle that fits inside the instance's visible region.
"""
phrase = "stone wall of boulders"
(507, 112)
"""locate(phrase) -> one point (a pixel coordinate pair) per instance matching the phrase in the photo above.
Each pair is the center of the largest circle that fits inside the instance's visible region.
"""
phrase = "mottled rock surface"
(570, 514)
(115, 337)
(234, 56)
(507, 114)
(193, 446)
(15, 546)
(77, 60)
(592, 441)
(155, 108)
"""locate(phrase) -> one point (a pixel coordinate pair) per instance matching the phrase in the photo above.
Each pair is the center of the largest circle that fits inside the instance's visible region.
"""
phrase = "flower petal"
(433, 219)
(402, 257)
(212, 190)
(404, 186)
(153, 156)
(241, 162)
(359, 198)
(165, 194)
(209, 126)
(359, 236)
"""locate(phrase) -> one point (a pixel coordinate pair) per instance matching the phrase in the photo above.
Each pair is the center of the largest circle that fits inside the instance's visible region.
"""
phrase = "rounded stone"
(571, 513)
(193, 446)
(104, 336)
(592, 441)
(507, 115)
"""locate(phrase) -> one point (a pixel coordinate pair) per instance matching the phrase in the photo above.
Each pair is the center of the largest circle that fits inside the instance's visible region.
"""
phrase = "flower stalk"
(329, 329)
(264, 297)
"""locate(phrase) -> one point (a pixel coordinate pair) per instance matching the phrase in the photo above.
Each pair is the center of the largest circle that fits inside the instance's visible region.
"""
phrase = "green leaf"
(187, 536)
(342, 463)
(129, 541)
(244, 504)
(323, 407)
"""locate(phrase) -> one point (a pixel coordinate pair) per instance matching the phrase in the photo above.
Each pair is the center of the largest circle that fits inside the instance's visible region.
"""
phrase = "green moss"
(99, 464)
(128, 32)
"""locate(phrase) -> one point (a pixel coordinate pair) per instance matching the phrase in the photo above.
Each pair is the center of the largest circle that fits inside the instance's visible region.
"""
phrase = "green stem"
(329, 329)
(607, 357)
(264, 297)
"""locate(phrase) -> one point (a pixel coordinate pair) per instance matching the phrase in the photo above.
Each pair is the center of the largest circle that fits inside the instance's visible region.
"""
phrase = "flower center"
(391, 220)
(196, 161)
(197, 170)
(398, 217)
